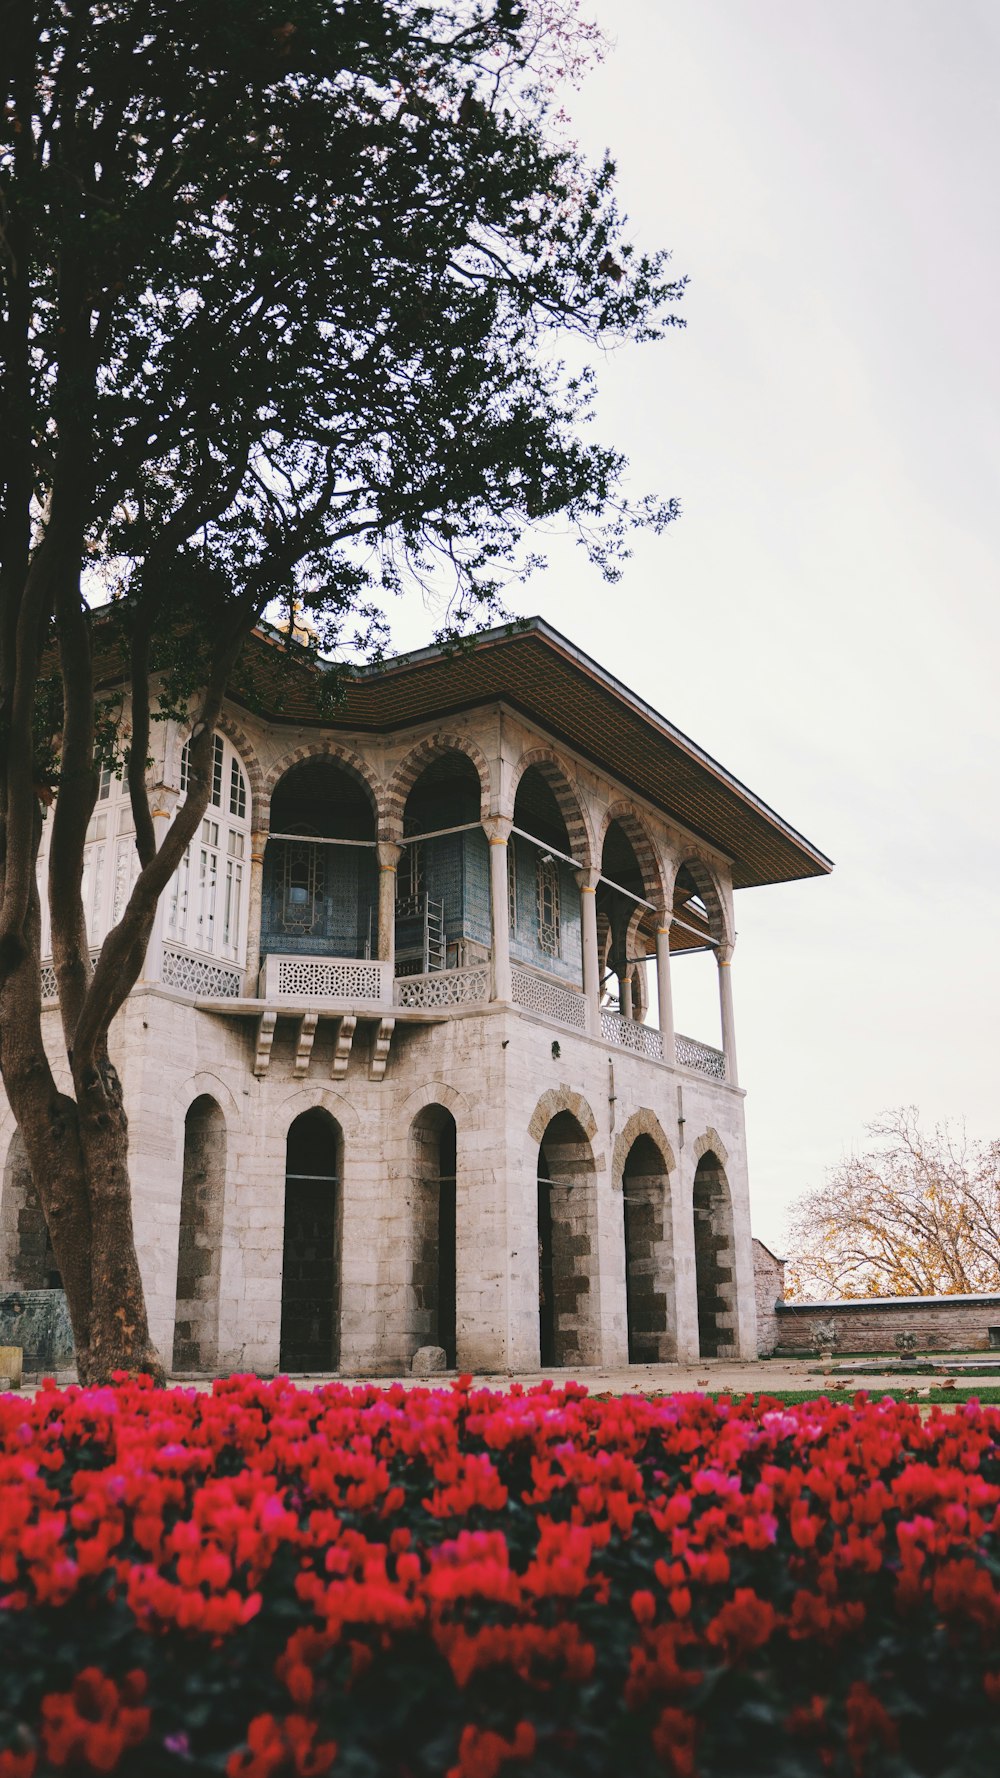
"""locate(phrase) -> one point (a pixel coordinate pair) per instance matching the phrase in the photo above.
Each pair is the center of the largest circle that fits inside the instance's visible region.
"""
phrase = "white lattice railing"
(204, 976)
(444, 987)
(536, 994)
(327, 978)
(50, 990)
(691, 1054)
(631, 1035)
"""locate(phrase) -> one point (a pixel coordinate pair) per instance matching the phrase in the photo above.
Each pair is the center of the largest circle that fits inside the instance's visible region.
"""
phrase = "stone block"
(428, 1360)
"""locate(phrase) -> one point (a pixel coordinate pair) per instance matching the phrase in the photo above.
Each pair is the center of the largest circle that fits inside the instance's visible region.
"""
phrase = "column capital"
(588, 879)
(389, 854)
(497, 829)
(724, 955)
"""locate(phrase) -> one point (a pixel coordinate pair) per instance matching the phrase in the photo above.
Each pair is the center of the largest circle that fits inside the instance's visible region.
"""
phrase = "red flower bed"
(375, 1582)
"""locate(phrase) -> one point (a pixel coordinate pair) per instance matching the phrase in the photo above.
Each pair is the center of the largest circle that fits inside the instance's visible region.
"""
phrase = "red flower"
(744, 1624)
(674, 1741)
(96, 1722)
(868, 1725)
(286, 1744)
(482, 1752)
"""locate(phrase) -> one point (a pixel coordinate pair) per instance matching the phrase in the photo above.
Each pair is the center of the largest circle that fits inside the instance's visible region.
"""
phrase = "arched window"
(206, 900)
(547, 896)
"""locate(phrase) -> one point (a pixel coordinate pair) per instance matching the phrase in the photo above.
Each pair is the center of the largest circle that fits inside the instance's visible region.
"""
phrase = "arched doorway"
(442, 881)
(568, 1308)
(649, 1258)
(26, 1256)
(310, 1273)
(320, 879)
(714, 1260)
(199, 1247)
(434, 1154)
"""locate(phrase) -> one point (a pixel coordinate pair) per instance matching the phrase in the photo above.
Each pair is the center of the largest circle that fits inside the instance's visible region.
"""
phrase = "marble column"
(588, 881)
(389, 856)
(497, 829)
(724, 959)
(625, 993)
(255, 903)
(664, 994)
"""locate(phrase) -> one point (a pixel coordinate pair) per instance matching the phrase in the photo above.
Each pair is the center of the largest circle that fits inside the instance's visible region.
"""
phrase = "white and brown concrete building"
(402, 1069)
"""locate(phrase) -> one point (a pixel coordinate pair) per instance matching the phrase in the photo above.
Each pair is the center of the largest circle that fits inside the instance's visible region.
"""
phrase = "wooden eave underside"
(538, 673)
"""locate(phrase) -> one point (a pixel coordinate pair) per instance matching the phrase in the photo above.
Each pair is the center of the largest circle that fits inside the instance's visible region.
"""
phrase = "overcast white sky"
(824, 618)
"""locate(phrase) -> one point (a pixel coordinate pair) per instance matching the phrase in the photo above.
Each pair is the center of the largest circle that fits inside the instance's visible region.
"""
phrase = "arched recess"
(310, 1273)
(698, 901)
(199, 1247)
(568, 1300)
(443, 875)
(26, 1256)
(433, 1176)
(543, 891)
(649, 1252)
(558, 776)
(352, 763)
(415, 764)
(320, 899)
(715, 1258)
(698, 927)
(644, 850)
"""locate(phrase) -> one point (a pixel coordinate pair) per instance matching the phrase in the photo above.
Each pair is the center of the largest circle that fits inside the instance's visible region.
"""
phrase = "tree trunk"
(48, 1122)
(119, 1330)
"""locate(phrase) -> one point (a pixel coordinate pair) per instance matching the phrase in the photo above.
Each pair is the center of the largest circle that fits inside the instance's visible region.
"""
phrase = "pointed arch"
(338, 754)
(641, 1123)
(415, 762)
(559, 776)
(560, 1099)
(711, 1143)
(707, 885)
(643, 845)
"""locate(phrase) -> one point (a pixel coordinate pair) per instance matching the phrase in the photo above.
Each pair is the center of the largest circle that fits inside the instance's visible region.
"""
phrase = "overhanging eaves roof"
(535, 670)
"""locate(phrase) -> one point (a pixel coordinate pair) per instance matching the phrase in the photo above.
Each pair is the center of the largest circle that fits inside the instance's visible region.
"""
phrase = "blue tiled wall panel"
(443, 879)
(477, 887)
(345, 917)
(524, 945)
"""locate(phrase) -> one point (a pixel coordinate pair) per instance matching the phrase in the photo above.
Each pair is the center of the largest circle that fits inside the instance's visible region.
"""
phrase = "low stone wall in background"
(881, 1324)
(38, 1322)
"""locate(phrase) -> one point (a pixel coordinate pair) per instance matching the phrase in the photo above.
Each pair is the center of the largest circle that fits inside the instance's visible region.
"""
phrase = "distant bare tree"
(916, 1214)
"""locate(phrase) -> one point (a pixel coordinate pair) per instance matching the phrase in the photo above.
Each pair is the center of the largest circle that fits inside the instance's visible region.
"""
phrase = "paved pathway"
(767, 1376)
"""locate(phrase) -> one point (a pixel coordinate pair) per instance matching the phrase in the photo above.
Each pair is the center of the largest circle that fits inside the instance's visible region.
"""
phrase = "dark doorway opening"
(310, 1266)
(649, 1281)
(568, 1331)
(435, 1163)
(714, 1260)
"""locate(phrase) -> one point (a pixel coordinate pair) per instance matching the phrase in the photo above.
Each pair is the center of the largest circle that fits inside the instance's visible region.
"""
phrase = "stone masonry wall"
(940, 1324)
(494, 1069)
(769, 1291)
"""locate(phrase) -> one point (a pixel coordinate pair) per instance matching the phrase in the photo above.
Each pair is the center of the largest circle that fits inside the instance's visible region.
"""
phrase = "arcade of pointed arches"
(317, 854)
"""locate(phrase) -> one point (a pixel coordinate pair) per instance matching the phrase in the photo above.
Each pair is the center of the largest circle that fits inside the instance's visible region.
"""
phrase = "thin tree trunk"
(119, 1330)
(49, 1125)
